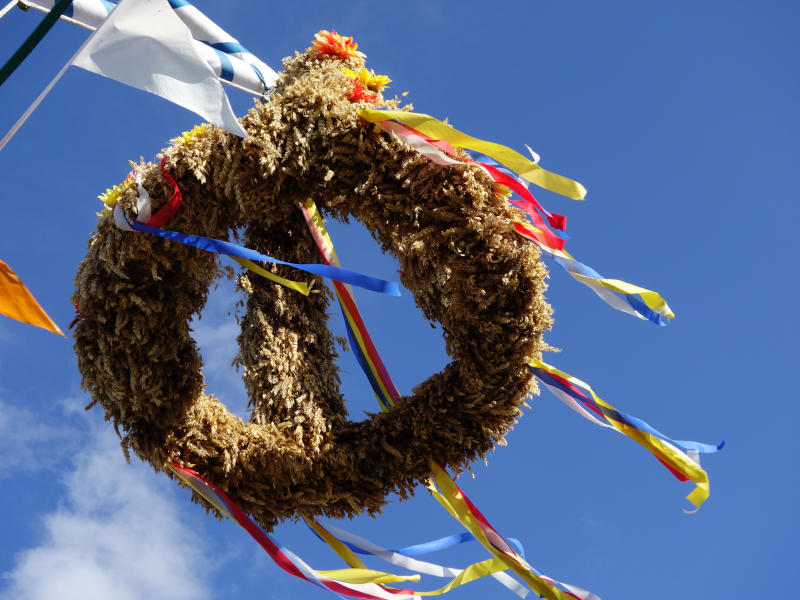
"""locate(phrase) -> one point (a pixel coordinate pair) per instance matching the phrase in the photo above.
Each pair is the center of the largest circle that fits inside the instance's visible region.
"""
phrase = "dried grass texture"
(299, 454)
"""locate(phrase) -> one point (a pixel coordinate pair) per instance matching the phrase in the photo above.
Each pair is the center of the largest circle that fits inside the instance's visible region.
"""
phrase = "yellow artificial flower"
(368, 78)
(187, 137)
(112, 196)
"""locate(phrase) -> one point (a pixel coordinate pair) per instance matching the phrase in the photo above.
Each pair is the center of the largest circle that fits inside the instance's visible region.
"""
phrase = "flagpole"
(240, 87)
(33, 39)
(21, 121)
(7, 8)
(62, 17)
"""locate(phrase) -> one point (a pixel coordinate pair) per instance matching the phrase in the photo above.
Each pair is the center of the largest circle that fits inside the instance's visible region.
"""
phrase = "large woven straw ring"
(447, 226)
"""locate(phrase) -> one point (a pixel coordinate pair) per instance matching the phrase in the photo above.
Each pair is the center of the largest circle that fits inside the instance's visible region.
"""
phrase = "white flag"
(144, 44)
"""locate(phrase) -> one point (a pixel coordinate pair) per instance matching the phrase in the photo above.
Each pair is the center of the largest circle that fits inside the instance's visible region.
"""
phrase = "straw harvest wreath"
(450, 226)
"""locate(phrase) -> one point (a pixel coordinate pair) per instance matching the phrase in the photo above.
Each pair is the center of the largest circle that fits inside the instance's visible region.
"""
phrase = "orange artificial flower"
(330, 42)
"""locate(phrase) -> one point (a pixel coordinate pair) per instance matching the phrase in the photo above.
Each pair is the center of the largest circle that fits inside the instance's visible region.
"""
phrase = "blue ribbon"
(362, 362)
(622, 417)
(635, 302)
(433, 546)
(366, 282)
(490, 161)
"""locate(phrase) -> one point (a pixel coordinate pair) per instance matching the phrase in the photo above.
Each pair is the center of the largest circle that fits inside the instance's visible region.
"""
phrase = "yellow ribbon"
(297, 286)
(319, 223)
(353, 575)
(316, 223)
(470, 573)
(660, 448)
(451, 498)
(358, 571)
(652, 299)
(512, 159)
(340, 548)
(365, 576)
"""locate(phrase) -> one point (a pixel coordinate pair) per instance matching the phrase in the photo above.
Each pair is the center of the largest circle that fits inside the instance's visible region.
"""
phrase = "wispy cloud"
(216, 335)
(119, 530)
(23, 437)
(116, 534)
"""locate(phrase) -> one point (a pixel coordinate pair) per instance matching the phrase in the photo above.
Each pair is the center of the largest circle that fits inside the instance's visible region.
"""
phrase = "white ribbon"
(143, 204)
(143, 208)
(412, 564)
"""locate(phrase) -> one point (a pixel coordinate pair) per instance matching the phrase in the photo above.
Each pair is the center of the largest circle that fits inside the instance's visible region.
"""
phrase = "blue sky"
(680, 118)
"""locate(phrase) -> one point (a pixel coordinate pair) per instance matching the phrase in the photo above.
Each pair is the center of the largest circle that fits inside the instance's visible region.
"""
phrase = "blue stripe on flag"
(259, 75)
(228, 47)
(226, 66)
(237, 48)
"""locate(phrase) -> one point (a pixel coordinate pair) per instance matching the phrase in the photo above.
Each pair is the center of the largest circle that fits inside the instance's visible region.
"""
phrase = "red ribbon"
(170, 208)
(526, 202)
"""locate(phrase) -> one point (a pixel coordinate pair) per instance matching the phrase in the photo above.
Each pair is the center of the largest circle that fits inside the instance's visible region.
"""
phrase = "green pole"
(33, 39)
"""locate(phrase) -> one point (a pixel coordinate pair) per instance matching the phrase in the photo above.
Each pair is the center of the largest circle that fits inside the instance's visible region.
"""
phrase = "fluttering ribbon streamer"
(230, 60)
(632, 299)
(437, 545)
(406, 557)
(623, 296)
(451, 496)
(16, 302)
(680, 457)
(354, 583)
(372, 284)
(441, 152)
(512, 159)
(512, 181)
(297, 286)
(360, 341)
(166, 212)
(461, 576)
(626, 297)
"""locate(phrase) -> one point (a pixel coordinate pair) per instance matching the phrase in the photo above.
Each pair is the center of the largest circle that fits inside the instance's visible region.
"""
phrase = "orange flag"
(18, 303)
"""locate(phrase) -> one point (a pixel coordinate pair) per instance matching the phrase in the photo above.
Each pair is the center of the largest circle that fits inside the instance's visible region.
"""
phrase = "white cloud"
(216, 335)
(22, 436)
(217, 340)
(116, 534)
